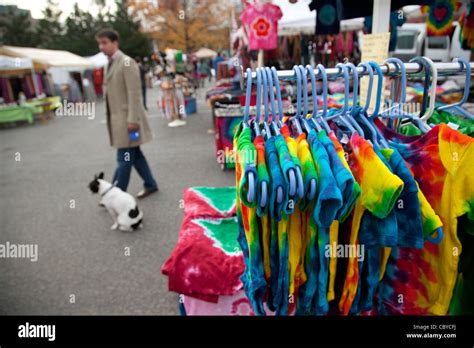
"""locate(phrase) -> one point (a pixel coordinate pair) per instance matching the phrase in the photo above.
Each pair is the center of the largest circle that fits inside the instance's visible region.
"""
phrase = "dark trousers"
(144, 95)
(128, 158)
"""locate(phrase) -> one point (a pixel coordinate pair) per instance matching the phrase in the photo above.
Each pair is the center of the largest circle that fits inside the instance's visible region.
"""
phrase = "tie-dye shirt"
(334, 230)
(295, 247)
(278, 219)
(249, 240)
(328, 203)
(379, 194)
(440, 116)
(442, 163)
(262, 212)
(309, 273)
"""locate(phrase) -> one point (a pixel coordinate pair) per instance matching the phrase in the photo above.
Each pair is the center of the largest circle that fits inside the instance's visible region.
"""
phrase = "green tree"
(49, 30)
(16, 28)
(132, 41)
(80, 30)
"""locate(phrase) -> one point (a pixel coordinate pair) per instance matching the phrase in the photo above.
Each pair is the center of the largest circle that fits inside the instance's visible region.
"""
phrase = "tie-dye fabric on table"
(207, 247)
(207, 261)
(213, 202)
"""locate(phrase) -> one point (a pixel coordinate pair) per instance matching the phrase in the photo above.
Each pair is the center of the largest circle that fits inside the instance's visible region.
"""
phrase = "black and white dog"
(121, 205)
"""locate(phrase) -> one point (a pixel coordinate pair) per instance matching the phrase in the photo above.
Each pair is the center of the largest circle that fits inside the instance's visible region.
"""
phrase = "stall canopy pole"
(381, 16)
(260, 59)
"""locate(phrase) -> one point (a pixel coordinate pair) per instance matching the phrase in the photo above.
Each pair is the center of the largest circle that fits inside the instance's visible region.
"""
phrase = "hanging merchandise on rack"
(339, 212)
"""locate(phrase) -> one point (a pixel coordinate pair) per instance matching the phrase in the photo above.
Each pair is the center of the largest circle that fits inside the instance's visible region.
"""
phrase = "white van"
(412, 41)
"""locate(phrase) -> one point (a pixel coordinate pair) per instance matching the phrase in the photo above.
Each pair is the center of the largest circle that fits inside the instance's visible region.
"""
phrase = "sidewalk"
(77, 252)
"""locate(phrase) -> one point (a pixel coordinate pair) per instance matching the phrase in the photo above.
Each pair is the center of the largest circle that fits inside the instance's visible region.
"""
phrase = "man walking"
(126, 117)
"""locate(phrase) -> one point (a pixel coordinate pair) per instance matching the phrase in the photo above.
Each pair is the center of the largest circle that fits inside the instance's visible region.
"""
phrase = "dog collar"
(106, 191)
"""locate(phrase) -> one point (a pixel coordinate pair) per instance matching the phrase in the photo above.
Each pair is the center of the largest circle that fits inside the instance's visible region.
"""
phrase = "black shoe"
(144, 193)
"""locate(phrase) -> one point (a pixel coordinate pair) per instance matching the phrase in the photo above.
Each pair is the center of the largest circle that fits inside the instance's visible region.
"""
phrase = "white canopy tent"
(205, 53)
(48, 58)
(15, 63)
(98, 60)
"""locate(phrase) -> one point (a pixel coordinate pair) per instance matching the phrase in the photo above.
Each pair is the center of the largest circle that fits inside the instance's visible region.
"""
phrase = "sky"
(36, 6)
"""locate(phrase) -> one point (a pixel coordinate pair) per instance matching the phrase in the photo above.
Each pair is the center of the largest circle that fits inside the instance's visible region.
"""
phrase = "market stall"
(63, 69)
(33, 81)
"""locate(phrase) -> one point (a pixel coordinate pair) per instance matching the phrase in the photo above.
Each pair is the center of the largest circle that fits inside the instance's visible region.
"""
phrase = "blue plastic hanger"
(456, 107)
(295, 119)
(311, 193)
(429, 90)
(261, 93)
(279, 193)
(304, 115)
(299, 174)
(371, 118)
(338, 114)
(426, 84)
(355, 96)
(322, 116)
(271, 91)
(396, 111)
(250, 176)
(248, 94)
(314, 93)
(276, 83)
(363, 110)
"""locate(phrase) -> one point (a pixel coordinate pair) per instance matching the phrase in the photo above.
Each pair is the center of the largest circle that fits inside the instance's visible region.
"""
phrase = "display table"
(17, 113)
(44, 107)
(205, 266)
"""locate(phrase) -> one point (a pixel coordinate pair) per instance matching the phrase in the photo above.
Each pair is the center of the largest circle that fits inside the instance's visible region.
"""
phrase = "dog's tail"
(133, 213)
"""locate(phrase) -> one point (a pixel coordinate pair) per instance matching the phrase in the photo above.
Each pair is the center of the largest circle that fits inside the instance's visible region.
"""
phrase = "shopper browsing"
(126, 117)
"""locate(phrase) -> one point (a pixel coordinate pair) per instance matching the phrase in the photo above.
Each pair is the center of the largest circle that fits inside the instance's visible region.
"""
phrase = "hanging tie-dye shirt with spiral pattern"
(442, 161)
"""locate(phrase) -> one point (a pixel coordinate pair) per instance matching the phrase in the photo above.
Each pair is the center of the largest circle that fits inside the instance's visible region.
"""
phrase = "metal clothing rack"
(388, 69)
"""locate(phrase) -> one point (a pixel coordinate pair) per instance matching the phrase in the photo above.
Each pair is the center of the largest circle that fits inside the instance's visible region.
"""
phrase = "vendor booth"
(33, 81)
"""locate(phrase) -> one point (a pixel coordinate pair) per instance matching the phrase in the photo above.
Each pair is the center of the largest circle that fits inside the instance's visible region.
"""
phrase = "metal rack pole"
(452, 68)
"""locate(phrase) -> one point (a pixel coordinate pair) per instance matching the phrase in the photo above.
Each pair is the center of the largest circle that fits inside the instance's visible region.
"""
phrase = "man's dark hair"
(110, 34)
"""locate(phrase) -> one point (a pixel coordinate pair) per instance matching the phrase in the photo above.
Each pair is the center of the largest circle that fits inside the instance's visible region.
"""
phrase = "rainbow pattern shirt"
(442, 163)
(379, 195)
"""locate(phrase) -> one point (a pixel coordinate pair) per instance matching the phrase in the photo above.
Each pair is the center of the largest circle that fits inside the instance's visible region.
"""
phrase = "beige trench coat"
(123, 93)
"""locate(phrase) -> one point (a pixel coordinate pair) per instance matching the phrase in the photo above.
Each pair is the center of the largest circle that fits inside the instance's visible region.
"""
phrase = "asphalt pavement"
(83, 267)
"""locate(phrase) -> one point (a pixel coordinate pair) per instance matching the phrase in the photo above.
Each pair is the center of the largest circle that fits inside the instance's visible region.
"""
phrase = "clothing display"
(439, 116)
(466, 21)
(261, 24)
(440, 16)
(357, 218)
(328, 16)
(207, 260)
